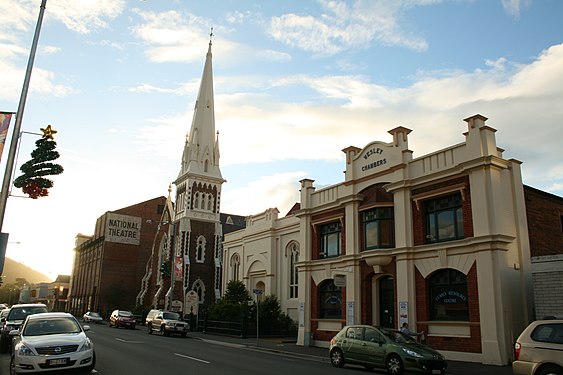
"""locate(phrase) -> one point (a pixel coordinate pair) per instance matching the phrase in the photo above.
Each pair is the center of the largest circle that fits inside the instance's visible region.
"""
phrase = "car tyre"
(394, 365)
(149, 329)
(550, 370)
(4, 345)
(337, 357)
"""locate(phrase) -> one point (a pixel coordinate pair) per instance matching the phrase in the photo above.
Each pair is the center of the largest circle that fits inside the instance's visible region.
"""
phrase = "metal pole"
(19, 116)
(257, 314)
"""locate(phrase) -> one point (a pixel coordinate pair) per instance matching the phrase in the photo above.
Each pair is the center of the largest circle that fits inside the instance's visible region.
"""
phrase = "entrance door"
(387, 302)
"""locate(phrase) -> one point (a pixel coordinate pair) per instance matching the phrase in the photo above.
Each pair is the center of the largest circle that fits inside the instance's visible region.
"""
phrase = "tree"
(32, 181)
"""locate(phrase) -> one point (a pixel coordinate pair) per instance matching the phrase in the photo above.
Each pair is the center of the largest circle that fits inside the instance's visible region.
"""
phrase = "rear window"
(20, 313)
(548, 333)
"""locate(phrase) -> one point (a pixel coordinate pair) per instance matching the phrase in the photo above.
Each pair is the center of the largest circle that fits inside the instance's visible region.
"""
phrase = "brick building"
(545, 219)
(109, 265)
(439, 241)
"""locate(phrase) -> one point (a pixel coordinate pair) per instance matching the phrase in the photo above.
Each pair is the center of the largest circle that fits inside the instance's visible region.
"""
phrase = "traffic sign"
(257, 291)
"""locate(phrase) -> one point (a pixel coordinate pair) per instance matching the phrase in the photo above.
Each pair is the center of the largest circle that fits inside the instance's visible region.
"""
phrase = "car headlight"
(412, 353)
(11, 328)
(86, 346)
(23, 350)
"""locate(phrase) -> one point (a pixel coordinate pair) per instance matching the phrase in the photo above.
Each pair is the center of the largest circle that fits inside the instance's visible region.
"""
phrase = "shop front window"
(444, 219)
(379, 228)
(330, 298)
(330, 235)
(448, 295)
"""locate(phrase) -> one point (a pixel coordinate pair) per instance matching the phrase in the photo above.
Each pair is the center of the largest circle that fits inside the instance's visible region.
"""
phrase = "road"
(122, 351)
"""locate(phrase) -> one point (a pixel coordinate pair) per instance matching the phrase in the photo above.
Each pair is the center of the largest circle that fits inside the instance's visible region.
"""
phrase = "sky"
(295, 82)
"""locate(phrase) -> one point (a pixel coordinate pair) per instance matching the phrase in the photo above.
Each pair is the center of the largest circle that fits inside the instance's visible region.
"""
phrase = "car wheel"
(184, 335)
(337, 357)
(550, 370)
(394, 365)
(149, 329)
(4, 345)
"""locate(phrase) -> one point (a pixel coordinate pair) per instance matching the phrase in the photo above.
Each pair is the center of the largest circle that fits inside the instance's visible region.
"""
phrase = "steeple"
(201, 153)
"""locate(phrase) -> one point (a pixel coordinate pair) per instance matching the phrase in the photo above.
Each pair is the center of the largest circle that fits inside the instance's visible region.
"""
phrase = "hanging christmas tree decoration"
(32, 181)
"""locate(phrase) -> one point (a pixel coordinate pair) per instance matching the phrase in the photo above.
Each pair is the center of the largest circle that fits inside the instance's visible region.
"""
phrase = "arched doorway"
(386, 289)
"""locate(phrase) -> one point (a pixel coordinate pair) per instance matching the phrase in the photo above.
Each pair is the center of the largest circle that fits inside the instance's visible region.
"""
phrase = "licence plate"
(57, 362)
(436, 371)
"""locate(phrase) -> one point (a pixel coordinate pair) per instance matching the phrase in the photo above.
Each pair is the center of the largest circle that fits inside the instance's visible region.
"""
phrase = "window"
(330, 297)
(293, 274)
(330, 240)
(200, 249)
(200, 290)
(235, 267)
(379, 228)
(444, 219)
(552, 333)
(372, 335)
(448, 295)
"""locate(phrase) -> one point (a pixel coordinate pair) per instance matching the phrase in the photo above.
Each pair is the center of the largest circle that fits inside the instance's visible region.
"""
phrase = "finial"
(210, 35)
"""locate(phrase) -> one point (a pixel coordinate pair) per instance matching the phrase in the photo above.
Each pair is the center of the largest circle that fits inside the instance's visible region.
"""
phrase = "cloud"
(84, 16)
(344, 25)
(514, 7)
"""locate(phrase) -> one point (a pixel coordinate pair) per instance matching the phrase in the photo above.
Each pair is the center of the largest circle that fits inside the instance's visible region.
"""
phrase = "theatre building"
(439, 241)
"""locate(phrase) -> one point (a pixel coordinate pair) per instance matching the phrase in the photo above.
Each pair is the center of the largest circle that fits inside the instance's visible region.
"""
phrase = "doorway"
(387, 302)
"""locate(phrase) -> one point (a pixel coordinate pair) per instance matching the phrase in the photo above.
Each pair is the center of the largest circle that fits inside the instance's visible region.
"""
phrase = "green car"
(378, 347)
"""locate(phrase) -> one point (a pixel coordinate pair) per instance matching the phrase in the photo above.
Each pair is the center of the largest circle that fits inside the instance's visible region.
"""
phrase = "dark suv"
(14, 320)
(166, 322)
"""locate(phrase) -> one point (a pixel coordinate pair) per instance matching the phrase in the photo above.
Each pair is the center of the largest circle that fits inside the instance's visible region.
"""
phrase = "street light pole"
(19, 116)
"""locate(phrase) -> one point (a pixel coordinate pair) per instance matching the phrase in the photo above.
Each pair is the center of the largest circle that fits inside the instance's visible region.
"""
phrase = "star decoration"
(48, 132)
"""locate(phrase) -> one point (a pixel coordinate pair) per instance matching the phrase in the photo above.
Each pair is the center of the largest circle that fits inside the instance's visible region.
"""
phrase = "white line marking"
(192, 358)
(129, 342)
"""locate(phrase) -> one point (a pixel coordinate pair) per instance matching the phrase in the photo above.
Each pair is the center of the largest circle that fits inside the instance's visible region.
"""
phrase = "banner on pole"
(5, 118)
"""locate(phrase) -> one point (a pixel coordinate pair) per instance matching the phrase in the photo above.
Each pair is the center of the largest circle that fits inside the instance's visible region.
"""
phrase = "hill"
(13, 270)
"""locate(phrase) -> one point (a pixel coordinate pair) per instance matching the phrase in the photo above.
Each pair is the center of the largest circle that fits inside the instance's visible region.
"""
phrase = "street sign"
(257, 291)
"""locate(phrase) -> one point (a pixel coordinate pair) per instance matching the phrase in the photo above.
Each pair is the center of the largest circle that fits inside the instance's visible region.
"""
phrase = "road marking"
(129, 342)
(192, 358)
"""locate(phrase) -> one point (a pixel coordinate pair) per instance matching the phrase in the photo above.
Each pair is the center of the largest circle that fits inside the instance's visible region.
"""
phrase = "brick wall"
(544, 212)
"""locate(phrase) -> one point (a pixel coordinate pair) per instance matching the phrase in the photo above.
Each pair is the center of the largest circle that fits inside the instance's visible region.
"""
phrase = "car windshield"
(171, 316)
(21, 313)
(51, 326)
(125, 313)
(398, 337)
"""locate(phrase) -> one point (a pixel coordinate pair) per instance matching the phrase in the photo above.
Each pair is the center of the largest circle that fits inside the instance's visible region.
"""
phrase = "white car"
(93, 317)
(51, 341)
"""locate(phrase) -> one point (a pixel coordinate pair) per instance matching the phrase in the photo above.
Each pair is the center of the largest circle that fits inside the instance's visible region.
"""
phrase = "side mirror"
(14, 332)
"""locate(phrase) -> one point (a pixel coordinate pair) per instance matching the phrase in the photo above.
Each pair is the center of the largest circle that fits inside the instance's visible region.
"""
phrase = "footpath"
(283, 346)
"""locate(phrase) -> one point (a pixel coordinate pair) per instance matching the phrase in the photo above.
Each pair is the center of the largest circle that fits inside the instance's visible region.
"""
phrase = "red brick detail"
(544, 212)
(460, 344)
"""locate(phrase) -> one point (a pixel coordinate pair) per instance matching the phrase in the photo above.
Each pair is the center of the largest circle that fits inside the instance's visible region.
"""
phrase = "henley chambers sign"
(123, 229)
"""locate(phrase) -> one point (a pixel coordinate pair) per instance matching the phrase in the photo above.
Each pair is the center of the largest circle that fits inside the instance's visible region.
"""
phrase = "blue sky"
(296, 82)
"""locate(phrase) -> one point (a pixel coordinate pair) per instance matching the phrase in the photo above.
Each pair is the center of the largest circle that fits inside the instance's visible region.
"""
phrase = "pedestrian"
(406, 331)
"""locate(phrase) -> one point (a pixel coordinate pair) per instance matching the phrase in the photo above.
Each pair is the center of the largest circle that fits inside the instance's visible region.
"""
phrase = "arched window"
(196, 200)
(210, 203)
(330, 300)
(448, 295)
(293, 274)
(235, 267)
(200, 249)
(199, 288)
(206, 166)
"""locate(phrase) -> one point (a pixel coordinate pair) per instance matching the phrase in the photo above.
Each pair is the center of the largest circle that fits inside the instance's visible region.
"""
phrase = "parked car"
(3, 315)
(14, 320)
(166, 322)
(539, 349)
(378, 347)
(92, 317)
(122, 318)
(51, 341)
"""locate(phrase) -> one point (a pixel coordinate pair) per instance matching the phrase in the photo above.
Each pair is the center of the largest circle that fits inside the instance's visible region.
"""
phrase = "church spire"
(201, 156)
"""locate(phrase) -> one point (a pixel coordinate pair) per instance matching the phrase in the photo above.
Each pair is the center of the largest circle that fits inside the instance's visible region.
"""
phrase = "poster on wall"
(350, 313)
(178, 268)
(123, 229)
(301, 314)
(403, 313)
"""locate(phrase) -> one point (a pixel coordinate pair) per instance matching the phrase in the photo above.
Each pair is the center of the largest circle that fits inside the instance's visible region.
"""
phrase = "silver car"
(539, 349)
(51, 341)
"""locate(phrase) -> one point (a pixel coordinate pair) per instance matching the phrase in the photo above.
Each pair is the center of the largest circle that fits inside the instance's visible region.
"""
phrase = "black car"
(14, 320)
